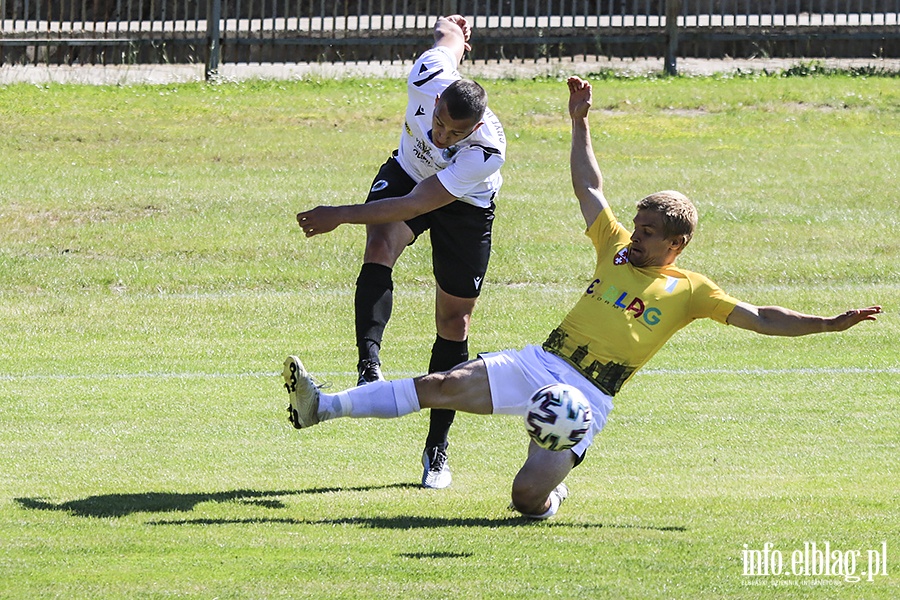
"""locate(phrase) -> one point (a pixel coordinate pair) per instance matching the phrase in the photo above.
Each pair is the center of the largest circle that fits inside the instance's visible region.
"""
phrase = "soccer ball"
(558, 416)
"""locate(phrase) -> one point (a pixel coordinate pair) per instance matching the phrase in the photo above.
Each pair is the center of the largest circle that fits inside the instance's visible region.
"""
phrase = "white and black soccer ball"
(558, 416)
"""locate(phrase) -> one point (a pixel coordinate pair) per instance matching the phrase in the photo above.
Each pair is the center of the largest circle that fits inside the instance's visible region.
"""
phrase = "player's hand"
(460, 21)
(848, 319)
(321, 219)
(579, 97)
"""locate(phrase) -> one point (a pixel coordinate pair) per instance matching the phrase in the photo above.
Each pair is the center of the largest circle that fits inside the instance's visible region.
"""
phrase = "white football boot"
(303, 393)
(436, 474)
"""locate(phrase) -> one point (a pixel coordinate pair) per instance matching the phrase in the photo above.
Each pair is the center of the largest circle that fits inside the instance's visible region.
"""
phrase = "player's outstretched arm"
(453, 32)
(776, 320)
(429, 194)
(587, 180)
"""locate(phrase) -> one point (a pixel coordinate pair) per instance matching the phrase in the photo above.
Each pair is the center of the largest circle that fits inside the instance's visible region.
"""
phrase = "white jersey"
(470, 170)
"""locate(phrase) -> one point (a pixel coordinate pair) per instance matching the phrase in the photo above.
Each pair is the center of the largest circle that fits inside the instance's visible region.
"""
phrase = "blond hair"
(678, 213)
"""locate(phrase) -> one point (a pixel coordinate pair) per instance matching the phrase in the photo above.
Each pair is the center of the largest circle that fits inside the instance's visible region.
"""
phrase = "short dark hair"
(465, 100)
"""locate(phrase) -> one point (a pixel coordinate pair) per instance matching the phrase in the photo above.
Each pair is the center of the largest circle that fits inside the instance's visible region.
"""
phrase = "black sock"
(445, 355)
(373, 303)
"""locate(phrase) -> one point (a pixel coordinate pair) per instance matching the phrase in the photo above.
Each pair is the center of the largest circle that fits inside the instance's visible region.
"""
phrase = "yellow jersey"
(626, 313)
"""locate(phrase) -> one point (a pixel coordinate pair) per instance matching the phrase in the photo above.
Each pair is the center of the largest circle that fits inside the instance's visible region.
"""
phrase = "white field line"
(400, 374)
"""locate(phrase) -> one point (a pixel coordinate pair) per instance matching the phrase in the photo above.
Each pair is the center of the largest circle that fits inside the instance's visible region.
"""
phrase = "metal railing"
(244, 31)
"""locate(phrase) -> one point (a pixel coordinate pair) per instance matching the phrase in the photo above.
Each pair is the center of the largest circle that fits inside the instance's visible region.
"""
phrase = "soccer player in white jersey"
(443, 178)
(635, 300)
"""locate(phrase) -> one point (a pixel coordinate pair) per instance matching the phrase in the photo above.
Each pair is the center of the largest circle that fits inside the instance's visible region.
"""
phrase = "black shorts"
(460, 233)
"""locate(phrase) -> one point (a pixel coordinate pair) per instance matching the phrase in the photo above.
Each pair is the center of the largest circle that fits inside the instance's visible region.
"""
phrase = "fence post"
(449, 8)
(213, 38)
(673, 9)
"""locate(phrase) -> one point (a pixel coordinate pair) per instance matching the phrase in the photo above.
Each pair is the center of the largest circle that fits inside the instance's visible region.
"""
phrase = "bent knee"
(385, 243)
(528, 500)
(382, 252)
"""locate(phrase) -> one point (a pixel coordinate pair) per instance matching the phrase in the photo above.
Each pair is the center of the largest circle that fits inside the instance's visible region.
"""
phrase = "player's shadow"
(106, 506)
(417, 522)
(121, 505)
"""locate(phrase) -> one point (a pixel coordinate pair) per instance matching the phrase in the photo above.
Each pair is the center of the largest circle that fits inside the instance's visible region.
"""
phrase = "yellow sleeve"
(710, 301)
(605, 228)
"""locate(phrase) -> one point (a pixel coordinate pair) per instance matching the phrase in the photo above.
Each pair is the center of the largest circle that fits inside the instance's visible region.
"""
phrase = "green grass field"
(152, 279)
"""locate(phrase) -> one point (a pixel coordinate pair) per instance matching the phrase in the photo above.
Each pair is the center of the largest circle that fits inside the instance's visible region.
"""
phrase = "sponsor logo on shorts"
(379, 185)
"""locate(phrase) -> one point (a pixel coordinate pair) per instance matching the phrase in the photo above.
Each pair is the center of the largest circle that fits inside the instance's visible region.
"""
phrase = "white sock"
(379, 399)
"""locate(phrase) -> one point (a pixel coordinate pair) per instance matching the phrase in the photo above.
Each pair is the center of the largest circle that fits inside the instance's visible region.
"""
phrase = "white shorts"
(514, 375)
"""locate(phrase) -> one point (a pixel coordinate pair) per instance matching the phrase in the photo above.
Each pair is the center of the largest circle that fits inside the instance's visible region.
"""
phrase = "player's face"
(445, 131)
(649, 245)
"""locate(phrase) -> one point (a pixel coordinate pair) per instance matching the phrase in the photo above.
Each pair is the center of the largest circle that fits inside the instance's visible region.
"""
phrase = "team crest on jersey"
(621, 257)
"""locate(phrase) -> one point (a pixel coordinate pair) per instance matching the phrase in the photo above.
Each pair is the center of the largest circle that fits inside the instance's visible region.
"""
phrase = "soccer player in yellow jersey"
(636, 299)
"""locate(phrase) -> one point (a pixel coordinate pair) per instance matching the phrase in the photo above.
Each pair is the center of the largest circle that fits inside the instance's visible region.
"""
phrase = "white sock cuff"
(405, 396)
